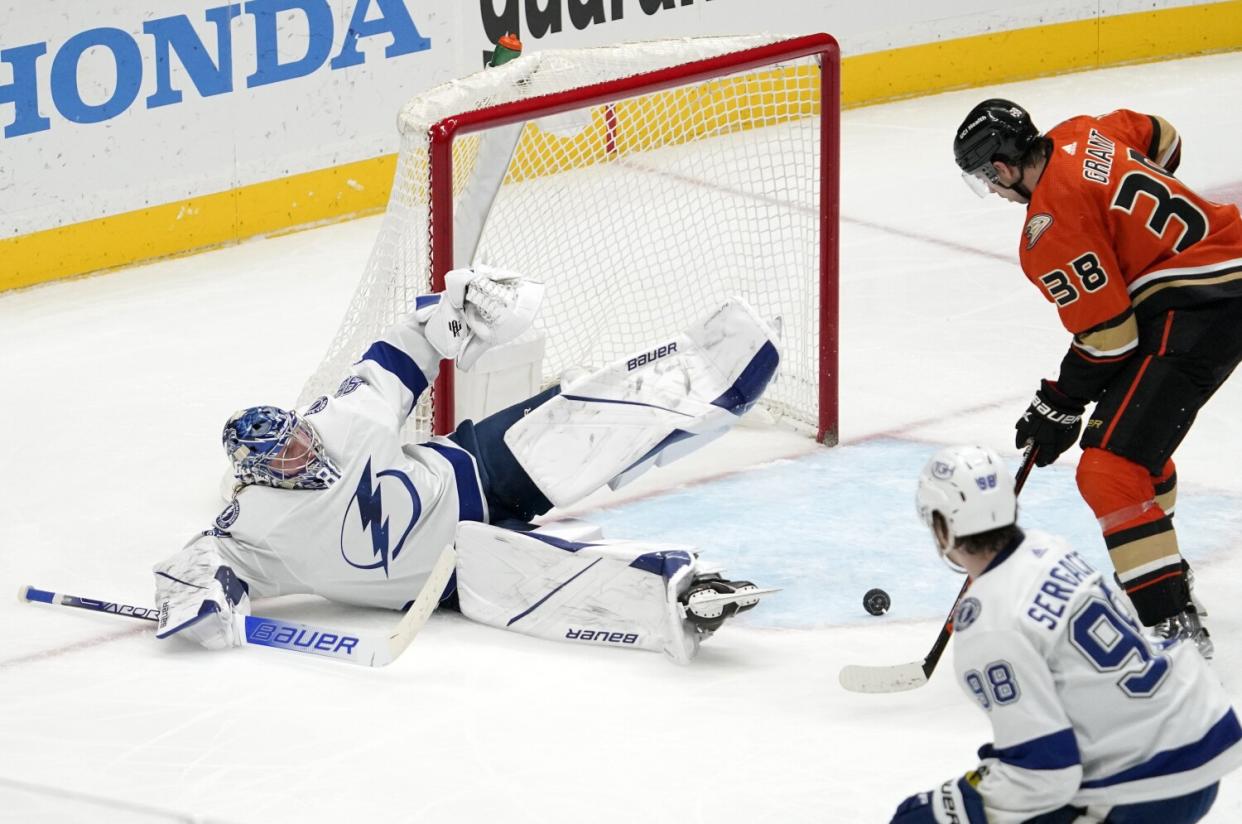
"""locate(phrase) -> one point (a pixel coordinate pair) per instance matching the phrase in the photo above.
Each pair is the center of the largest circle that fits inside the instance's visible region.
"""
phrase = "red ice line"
(86, 643)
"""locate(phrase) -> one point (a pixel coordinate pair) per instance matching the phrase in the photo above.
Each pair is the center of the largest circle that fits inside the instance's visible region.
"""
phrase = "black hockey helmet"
(996, 129)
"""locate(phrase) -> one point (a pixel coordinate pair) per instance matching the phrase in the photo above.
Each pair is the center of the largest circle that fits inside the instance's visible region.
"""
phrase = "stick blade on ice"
(895, 678)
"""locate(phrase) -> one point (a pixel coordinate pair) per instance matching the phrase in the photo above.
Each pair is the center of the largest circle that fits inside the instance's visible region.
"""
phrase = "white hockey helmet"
(971, 489)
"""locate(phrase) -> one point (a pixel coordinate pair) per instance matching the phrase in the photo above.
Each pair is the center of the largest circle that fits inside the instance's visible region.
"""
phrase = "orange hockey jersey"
(1112, 238)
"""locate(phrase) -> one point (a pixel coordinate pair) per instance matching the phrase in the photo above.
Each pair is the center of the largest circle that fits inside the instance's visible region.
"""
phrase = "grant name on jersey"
(1057, 589)
(1098, 163)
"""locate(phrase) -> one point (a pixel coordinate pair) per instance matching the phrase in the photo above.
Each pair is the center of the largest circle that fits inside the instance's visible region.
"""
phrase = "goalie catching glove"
(480, 307)
(200, 598)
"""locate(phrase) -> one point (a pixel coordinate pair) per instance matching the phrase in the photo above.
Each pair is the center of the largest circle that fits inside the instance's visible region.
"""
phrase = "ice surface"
(115, 388)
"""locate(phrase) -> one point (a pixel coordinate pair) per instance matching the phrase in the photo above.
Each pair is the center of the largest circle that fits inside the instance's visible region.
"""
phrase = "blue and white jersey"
(1085, 710)
(372, 537)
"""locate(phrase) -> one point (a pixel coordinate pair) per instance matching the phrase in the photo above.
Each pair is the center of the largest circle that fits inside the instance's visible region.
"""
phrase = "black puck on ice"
(876, 601)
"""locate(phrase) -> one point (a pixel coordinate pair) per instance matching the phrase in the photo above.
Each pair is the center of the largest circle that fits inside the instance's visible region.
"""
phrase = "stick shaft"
(905, 676)
(370, 650)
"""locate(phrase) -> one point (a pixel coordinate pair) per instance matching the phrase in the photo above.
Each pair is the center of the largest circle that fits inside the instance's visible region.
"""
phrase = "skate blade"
(735, 597)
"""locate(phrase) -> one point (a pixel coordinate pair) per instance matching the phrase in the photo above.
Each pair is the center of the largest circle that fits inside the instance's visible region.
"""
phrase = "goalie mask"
(271, 447)
(971, 489)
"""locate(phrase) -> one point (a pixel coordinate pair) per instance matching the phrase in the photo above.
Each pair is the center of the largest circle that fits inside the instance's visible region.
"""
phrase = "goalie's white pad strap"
(603, 593)
(604, 426)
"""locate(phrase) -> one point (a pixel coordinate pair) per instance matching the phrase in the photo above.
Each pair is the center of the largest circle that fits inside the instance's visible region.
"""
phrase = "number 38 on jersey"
(1088, 276)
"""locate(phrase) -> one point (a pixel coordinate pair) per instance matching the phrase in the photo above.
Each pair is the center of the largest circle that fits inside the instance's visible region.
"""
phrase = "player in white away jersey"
(1091, 721)
(329, 500)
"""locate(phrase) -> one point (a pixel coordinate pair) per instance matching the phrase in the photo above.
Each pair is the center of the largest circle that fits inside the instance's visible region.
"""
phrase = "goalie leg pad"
(603, 593)
(608, 426)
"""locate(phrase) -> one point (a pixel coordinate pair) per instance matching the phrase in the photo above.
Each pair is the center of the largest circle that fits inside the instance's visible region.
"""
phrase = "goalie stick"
(364, 650)
(914, 674)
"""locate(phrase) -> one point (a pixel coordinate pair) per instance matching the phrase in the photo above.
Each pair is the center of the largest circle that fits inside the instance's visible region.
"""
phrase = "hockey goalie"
(327, 499)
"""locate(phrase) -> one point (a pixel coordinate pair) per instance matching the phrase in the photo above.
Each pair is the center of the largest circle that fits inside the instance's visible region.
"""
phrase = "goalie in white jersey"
(1091, 720)
(329, 500)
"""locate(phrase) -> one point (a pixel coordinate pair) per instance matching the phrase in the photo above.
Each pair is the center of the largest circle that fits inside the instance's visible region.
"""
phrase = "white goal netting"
(641, 208)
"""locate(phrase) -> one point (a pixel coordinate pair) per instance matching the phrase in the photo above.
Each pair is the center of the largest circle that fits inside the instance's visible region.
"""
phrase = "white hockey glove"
(194, 603)
(480, 307)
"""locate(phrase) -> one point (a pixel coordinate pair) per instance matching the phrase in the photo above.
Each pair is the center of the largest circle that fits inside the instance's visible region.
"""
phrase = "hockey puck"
(876, 601)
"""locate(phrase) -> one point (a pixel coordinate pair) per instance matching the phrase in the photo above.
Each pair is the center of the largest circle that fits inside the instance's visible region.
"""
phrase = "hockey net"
(644, 183)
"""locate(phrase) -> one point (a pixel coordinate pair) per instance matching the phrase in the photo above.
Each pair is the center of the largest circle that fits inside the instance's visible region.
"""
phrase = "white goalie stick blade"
(425, 604)
(370, 651)
(894, 678)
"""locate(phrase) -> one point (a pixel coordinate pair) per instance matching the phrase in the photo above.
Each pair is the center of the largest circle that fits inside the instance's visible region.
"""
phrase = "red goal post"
(643, 183)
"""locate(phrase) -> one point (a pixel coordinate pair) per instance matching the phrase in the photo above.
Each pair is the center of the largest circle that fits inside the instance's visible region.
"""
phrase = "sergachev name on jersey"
(208, 66)
(648, 357)
(1054, 593)
(283, 635)
(601, 635)
(1097, 165)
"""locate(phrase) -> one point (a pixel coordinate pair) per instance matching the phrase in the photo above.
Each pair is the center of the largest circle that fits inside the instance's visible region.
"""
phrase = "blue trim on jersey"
(1222, 735)
(1055, 751)
(665, 562)
(1009, 549)
(749, 385)
(399, 363)
(469, 492)
(538, 603)
(423, 301)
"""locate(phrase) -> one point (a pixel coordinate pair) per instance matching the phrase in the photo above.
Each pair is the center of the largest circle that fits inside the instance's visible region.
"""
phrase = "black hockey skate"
(711, 600)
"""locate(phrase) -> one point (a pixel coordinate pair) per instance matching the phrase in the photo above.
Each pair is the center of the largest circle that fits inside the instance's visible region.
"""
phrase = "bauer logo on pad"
(648, 357)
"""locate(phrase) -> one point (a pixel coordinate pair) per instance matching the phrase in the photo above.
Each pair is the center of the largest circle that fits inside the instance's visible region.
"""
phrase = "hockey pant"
(1126, 473)
(646, 410)
(565, 582)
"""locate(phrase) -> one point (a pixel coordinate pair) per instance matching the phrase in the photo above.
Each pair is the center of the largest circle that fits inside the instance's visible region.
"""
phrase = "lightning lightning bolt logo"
(371, 509)
(375, 523)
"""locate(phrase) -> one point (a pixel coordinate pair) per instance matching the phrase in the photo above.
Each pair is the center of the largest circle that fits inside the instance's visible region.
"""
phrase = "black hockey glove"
(1052, 421)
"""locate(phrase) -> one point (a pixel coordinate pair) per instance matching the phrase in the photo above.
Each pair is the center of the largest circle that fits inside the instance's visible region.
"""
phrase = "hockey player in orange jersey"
(1147, 277)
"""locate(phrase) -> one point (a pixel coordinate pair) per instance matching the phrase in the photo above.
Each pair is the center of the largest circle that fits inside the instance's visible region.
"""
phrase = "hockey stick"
(364, 650)
(912, 675)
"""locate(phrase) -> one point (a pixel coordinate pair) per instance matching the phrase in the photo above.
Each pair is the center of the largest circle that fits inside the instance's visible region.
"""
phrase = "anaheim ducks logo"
(1035, 227)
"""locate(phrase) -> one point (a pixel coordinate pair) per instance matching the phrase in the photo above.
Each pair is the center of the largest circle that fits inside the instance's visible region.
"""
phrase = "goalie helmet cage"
(644, 183)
